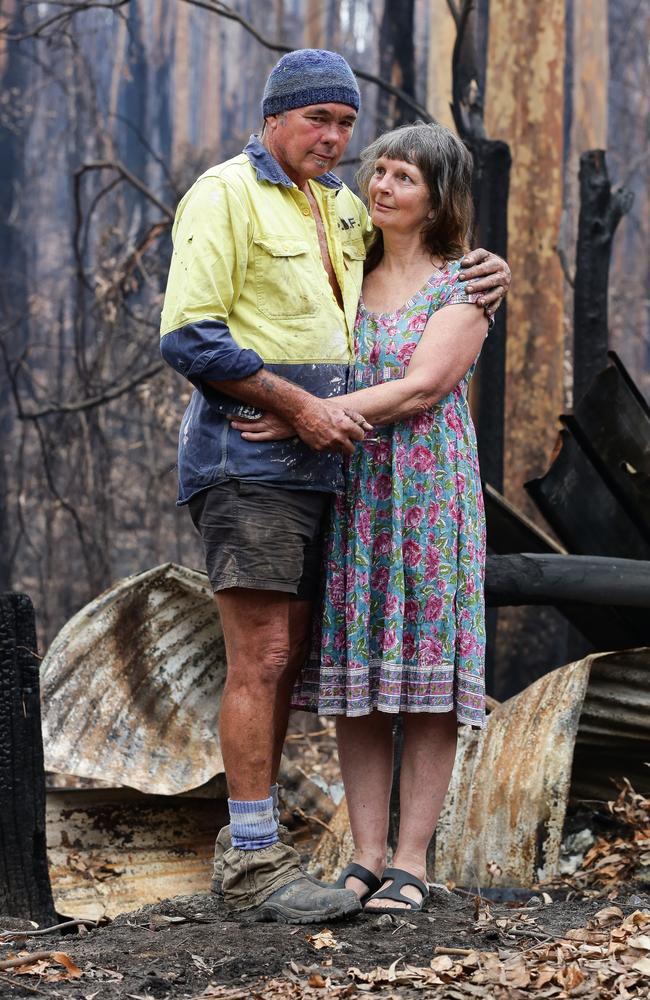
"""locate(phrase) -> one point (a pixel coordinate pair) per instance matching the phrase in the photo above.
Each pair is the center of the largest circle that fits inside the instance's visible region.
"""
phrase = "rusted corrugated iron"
(131, 685)
(508, 796)
(512, 784)
(112, 851)
(563, 738)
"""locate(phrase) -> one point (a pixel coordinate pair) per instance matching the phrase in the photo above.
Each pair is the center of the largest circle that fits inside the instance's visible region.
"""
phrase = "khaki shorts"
(261, 537)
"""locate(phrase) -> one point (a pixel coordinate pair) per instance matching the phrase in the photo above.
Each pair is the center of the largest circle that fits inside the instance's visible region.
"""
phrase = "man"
(259, 310)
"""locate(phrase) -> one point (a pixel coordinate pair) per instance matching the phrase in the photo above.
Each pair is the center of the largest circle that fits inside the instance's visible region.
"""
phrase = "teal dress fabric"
(402, 628)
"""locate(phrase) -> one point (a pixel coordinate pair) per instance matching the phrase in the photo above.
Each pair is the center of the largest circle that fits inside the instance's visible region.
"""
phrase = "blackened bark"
(490, 186)
(601, 210)
(24, 880)
(396, 62)
(490, 189)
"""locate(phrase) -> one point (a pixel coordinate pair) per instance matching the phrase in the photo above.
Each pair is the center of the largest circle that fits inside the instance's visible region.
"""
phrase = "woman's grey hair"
(446, 164)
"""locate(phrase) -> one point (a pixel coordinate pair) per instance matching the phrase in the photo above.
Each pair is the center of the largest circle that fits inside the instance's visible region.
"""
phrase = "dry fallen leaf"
(642, 941)
(324, 939)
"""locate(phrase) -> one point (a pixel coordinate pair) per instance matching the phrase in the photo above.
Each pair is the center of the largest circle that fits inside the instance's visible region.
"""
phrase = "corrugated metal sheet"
(614, 733)
(566, 736)
(112, 851)
(508, 796)
(132, 683)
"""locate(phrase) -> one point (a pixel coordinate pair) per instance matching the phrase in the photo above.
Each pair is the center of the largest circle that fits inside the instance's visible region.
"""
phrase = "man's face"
(307, 142)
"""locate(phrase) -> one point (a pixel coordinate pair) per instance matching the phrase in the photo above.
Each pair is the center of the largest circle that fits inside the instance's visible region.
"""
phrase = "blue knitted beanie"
(309, 76)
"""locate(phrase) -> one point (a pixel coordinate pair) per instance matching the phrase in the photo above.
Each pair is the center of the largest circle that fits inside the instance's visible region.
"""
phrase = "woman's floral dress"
(403, 619)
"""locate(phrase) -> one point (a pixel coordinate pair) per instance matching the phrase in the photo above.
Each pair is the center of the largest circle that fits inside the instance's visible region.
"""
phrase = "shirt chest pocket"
(285, 278)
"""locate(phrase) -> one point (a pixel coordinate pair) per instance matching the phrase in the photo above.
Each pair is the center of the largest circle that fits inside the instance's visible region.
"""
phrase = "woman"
(403, 629)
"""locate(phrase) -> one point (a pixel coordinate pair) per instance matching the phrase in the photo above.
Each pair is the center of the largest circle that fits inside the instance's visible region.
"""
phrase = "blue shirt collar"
(268, 169)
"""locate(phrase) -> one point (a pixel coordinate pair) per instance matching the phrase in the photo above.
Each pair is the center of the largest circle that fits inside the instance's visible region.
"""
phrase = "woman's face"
(398, 196)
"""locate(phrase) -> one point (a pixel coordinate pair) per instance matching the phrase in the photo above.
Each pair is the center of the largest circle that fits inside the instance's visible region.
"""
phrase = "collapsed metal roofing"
(131, 685)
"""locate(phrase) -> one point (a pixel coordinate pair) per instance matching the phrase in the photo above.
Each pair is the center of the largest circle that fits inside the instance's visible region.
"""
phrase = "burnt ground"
(179, 947)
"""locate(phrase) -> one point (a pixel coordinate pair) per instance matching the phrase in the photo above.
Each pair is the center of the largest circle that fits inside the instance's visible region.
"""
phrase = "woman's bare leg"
(365, 746)
(428, 757)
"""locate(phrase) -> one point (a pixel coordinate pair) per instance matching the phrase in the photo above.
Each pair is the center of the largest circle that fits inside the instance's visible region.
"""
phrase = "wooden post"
(24, 880)
(601, 210)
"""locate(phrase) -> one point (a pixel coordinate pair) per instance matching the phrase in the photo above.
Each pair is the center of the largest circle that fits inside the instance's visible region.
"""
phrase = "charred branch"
(601, 210)
(467, 98)
(546, 578)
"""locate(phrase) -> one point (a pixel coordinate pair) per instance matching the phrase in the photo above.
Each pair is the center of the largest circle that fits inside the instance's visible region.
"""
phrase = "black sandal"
(400, 878)
(364, 875)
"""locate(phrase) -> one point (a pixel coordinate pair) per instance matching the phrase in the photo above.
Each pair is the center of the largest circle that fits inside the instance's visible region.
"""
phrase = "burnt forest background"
(109, 111)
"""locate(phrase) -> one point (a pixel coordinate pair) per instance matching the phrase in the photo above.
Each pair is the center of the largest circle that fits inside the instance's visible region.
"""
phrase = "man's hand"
(323, 424)
(488, 275)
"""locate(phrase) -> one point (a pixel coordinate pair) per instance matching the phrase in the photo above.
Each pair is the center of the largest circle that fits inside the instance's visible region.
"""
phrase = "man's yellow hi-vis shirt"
(247, 288)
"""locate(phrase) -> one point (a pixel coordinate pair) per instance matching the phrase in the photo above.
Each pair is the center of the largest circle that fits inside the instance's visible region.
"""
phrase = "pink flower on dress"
(470, 586)
(411, 608)
(400, 459)
(391, 604)
(379, 579)
(417, 323)
(421, 459)
(363, 526)
(361, 578)
(413, 516)
(433, 608)
(434, 512)
(412, 553)
(453, 508)
(337, 591)
(452, 419)
(460, 482)
(350, 612)
(430, 649)
(382, 543)
(382, 486)
(466, 642)
(390, 639)
(432, 562)
(373, 357)
(408, 646)
(405, 353)
(423, 422)
(380, 450)
(339, 639)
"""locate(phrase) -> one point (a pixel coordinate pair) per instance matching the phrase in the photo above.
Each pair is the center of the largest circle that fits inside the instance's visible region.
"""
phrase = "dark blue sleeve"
(206, 352)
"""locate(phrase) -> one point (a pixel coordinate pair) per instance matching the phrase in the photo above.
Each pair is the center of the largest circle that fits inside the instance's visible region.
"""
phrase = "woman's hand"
(268, 427)
(489, 276)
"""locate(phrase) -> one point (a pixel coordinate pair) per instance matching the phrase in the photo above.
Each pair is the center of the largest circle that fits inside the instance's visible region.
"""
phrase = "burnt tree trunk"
(601, 210)
(24, 880)
(490, 190)
(397, 62)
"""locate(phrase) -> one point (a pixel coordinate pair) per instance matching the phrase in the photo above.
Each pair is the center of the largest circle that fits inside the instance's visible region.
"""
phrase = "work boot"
(269, 884)
(224, 843)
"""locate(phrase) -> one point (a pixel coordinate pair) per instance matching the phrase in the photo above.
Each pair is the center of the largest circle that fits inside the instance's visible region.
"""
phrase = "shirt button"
(305, 211)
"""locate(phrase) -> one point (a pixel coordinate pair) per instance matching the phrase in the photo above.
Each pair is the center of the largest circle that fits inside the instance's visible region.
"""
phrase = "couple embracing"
(329, 463)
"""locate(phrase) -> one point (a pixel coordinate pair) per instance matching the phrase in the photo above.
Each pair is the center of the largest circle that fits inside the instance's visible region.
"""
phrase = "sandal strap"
(363, 874)
(399, 879)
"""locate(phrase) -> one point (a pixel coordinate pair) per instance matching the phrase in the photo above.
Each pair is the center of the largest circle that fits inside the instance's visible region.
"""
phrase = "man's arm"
(489, 276)
(208, 268)
(323, 425)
